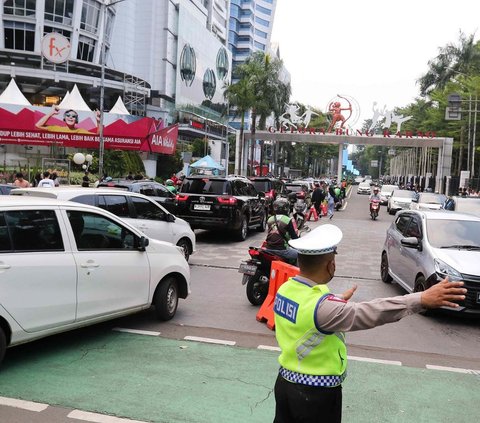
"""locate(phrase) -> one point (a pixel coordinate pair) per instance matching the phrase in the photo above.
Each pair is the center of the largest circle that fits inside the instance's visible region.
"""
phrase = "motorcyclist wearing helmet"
(170, 186)
(281, 229)
(375, 195)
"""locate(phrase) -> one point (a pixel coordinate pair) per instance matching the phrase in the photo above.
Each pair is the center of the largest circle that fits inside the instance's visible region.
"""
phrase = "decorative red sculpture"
(335, 109)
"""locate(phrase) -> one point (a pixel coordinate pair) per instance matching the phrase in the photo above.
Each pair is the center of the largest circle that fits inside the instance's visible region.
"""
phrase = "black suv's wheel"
(165, 299)
(263, 224)
(186, 247)
(384, 269)
(241, 233)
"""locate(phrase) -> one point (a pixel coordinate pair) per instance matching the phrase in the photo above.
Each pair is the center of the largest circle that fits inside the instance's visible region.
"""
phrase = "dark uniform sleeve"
(337, 315)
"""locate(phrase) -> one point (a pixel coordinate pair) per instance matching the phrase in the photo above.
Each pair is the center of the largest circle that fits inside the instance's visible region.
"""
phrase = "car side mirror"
(143, 243)
(411, 242)
(170, 217)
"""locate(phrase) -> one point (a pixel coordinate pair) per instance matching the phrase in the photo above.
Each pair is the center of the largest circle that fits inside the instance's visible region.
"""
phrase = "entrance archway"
(444, 145)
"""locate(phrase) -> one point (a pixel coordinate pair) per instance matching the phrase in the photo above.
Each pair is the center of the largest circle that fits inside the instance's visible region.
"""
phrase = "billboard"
(37, 125)
(203, 65)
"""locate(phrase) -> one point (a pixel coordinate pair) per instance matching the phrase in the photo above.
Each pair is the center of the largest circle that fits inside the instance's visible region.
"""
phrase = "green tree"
(240, 95)
(260, 76)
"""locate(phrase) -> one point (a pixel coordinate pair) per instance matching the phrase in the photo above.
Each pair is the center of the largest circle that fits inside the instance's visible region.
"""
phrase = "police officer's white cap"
(322, 240)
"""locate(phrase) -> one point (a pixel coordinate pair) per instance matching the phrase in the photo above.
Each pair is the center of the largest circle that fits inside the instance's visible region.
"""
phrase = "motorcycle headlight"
(444, 270)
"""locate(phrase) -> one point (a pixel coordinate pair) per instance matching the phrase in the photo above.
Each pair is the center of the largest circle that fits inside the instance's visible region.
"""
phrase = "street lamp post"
(101, 149)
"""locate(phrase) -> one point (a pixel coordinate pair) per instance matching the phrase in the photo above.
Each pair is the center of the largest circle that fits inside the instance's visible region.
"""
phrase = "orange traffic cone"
(313, 212)
(279, 274)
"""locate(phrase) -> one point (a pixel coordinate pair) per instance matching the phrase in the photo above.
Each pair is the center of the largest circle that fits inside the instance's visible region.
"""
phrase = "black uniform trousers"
(296, 403)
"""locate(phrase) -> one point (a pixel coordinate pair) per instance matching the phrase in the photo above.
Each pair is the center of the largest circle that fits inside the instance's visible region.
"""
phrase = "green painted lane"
(162, 380)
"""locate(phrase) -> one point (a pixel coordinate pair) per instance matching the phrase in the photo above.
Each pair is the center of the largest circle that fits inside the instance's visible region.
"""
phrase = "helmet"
(169, 182)
(375, 189)
(281, 206)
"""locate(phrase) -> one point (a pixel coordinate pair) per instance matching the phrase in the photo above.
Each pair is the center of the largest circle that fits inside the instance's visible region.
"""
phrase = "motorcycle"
(256, 273)
(374, 208)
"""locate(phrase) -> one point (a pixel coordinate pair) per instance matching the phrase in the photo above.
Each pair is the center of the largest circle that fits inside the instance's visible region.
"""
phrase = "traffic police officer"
(310, 324)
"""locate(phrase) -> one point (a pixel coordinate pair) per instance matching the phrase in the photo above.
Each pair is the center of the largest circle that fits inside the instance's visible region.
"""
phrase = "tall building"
(250, 27)
(165, 59)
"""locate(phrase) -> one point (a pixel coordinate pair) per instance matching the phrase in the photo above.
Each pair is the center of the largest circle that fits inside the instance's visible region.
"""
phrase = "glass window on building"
(86, 48)
(60, 11)
(260, 46)
(19, 7)
(263, 10)
(64, 32)
(260, 33)
(90, 16)
(19, 35)
(262, 22)
(109, 26)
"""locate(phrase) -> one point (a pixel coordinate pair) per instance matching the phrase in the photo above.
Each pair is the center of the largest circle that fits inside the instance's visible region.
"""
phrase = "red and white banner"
(164, 141)
(32, 125)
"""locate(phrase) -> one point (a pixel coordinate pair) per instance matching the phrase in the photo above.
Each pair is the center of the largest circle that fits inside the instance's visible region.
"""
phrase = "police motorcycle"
(256, 272)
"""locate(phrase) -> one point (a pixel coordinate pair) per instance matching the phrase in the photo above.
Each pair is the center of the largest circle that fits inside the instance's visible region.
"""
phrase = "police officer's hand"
(349, 293)
(442, 294)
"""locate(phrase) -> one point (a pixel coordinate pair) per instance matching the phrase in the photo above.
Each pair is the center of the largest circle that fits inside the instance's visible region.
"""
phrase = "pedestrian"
(46, 182)
(331, 198)
(310, 323)
(317, 197)
(85, 180)
(54, 178)
(20, 182)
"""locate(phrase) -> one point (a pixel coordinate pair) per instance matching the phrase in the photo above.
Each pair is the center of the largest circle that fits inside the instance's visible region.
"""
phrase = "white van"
(137, 209)
(64, 265)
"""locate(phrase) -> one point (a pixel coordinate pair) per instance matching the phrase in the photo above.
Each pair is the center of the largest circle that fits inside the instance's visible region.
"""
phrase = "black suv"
(213, 202)
(152, 189)
(272, 187)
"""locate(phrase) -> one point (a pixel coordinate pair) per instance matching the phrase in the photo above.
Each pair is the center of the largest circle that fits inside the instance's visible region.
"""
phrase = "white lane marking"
(268, 347)
(137, 331)
(99, 418)
(374, 360)
(209, 340)
(453, 369)
(24, 405)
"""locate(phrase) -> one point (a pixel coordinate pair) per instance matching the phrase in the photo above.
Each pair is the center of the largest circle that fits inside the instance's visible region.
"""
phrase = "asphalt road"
(214, 362)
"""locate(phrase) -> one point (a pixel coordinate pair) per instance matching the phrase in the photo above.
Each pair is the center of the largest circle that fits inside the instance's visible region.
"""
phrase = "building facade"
(165, 59)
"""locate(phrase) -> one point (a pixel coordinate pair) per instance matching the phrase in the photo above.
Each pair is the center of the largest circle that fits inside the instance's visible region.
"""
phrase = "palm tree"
(240, 95)
(452, 60)
(263, 71)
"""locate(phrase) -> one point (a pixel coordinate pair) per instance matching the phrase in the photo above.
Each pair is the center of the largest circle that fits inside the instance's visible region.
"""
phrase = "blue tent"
(206, 164)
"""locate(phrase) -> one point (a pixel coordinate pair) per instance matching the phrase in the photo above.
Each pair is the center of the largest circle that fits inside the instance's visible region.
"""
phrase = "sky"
(369, 50)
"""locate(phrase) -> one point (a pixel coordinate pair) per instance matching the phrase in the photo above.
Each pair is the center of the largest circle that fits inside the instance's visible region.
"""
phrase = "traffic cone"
(279, 274)
(312, 211)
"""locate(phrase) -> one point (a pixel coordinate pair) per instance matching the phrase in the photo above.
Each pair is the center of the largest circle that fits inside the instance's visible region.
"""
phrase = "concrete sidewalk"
(154, 379)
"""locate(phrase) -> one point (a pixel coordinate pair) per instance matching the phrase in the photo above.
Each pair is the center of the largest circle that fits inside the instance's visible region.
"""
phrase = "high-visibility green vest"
(306, 349)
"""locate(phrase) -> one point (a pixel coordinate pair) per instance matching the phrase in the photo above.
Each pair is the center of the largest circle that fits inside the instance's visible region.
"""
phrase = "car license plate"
(248, 269)
(201, 207)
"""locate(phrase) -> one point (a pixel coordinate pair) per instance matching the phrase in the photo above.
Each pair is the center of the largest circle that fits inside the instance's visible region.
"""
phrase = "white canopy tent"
(119, 108)
(74, 101)
(13, 95)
